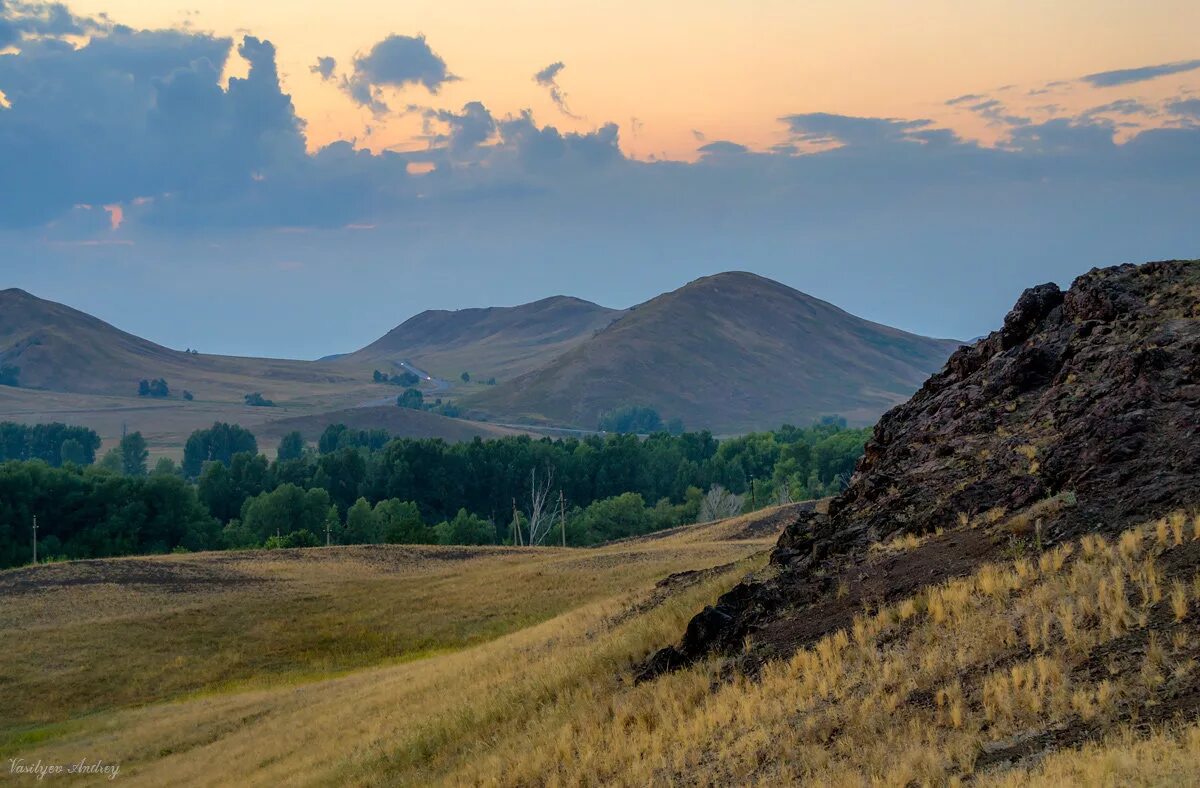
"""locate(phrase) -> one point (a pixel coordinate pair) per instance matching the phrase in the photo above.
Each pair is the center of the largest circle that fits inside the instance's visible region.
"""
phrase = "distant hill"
(62, 349)
(501, 342)
(730, 352)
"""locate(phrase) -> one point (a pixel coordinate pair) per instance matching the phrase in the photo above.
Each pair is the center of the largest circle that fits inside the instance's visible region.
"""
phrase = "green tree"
(10, 375)
(631, 418)
(361, 525)
(112, 461)
(133, 454)
(399, 522)
(291, 447)
(466, 377)
(216, 444)
(411, 398)
(72, 451)
(465, 528)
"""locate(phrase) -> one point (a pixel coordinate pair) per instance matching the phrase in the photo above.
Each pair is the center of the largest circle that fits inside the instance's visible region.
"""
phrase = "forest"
(358, 487)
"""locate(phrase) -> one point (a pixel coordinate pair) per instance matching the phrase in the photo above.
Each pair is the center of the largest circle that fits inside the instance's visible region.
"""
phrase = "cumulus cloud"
(548, 78)
(1125, 76)
(325, 66)
(19, 19)
(468, 129)
(140, 118)
(395, 62)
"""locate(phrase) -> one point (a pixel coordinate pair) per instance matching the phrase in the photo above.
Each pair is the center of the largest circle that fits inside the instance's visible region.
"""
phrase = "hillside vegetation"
(727, 353)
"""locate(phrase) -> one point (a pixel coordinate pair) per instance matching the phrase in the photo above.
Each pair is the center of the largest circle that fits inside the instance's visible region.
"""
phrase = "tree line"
(360, 486)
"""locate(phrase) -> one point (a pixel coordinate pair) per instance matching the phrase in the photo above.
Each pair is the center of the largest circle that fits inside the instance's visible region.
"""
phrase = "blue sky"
(164, 180)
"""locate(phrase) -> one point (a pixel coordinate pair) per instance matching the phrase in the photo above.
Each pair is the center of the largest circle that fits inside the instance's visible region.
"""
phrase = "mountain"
(730, 352)
(58, 348)
(500, 342)
(1078, 417)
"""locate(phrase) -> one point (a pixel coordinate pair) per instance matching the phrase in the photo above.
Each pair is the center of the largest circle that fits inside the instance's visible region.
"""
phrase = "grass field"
(162, 663)
(384, 666)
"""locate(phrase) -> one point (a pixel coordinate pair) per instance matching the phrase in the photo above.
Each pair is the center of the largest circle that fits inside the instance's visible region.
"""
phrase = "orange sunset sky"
(725, 69)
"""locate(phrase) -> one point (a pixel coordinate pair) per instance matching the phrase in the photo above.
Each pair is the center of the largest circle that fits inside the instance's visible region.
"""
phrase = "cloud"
(1125, 76)
(548, 78)
(541, 147)
(468, 129)
(1122, 107)
(723, 147)
(1190, 107)
(19, 19)
(824, 128)
(325, 66)
(964, 99)
(395, 62)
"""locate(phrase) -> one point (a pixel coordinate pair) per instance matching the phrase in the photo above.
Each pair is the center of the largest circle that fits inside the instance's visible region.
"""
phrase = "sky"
(294, 179)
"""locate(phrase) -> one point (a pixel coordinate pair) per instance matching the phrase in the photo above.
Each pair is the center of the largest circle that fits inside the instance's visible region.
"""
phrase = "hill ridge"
(663, 353)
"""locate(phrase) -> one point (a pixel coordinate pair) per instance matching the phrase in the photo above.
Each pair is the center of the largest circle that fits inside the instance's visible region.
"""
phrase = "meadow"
(1076, 665)
(155, 662)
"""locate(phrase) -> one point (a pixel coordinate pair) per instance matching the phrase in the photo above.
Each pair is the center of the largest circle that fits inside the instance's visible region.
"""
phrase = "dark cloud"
(996, 113)
(548, 78)
(824, 128)
(19, 19)
(1123, 107)
(1125, 76)
(545, 146)
(325, 66)
(965, 99)
(395, 62)
(720, 147)
(468, 129)
(1189, 107)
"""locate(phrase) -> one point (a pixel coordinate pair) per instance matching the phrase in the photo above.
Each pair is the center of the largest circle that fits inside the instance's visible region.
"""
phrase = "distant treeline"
(53, 444)
(359, 486)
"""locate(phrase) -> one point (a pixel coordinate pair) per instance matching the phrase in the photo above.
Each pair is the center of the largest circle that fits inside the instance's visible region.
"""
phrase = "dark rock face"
(1092, 393)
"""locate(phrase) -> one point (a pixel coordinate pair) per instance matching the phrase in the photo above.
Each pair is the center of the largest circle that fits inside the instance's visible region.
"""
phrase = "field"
(341, 664)
(166, 424)
(378, 666)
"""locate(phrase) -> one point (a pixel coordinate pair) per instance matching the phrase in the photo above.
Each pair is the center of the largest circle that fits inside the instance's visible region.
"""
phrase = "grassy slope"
(730, 352)
(997, 676)
(90, 644)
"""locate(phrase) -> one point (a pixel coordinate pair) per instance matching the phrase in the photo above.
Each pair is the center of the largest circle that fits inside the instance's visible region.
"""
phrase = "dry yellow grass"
(925, 691)
(215, 630)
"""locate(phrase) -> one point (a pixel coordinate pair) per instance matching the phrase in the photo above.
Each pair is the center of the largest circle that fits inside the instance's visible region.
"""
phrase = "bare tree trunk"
(540, 521)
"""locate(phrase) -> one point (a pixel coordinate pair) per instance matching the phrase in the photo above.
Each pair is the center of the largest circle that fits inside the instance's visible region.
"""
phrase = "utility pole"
(562, 516)
(753, 495)
(327, 542)
(517, 525)
(35, 538)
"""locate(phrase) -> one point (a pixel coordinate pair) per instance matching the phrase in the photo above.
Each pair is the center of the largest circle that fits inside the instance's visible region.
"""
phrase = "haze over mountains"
(732, 352)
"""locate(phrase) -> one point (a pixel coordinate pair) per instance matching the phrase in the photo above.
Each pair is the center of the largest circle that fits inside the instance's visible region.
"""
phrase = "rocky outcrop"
(1084, 406)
